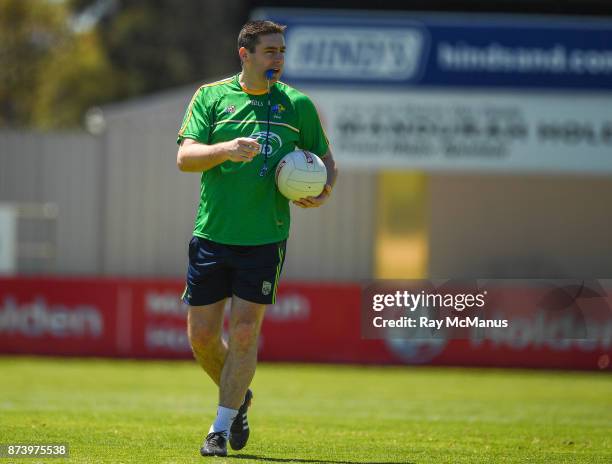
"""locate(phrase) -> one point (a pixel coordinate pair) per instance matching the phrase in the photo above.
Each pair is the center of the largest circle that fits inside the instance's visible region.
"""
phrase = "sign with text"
(445, 50)
(310, 322)
(556, 311)
(452, 92)
(469, 131)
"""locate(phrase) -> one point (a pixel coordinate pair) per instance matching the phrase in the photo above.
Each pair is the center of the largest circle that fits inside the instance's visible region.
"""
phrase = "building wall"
(336, 241)
(149, 204)
(125, 209)
(62, 168)
(500, 226)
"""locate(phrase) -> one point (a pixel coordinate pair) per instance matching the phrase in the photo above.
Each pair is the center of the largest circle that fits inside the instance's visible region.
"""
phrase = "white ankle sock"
(225, 417)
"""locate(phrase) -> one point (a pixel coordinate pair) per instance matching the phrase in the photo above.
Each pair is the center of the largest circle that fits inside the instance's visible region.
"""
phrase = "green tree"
(162, 44)
(80, 76)
(29, 31)
(60, 57)
(50, 74)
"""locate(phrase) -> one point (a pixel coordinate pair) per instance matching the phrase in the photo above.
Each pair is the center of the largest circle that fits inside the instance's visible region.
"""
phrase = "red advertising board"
(140, 318)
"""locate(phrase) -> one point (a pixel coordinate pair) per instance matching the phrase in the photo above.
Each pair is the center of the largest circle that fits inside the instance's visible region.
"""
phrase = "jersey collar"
(245, 89)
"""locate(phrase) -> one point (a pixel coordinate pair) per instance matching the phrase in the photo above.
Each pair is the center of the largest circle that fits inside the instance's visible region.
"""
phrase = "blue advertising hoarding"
(478, 51)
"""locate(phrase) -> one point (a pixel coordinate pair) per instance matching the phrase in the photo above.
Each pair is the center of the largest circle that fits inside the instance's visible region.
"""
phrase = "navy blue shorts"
(218, 271)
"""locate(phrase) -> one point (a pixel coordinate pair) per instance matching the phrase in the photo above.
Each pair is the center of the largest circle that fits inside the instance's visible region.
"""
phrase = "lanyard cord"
(264, 169)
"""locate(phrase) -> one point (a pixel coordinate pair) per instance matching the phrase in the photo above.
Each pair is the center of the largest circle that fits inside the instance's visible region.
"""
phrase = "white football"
(300, 174)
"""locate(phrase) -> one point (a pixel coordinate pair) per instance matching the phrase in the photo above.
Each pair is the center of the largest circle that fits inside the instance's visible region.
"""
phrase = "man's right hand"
(242, 149)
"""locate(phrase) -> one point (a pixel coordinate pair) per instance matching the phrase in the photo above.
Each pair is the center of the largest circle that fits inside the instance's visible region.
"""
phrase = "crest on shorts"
(266, 287)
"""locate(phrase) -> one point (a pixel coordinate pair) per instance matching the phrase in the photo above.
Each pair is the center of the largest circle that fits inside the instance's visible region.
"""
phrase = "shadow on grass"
(324, 461)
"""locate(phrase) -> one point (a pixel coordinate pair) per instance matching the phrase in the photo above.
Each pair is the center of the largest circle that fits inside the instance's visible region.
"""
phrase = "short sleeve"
(196, 122)
(312, 135)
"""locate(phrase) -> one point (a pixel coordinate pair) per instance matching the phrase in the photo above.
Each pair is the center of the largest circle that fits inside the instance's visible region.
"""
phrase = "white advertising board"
(432, 129)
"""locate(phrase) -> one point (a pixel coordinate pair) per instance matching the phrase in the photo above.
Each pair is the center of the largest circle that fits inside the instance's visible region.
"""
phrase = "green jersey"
(237, 205)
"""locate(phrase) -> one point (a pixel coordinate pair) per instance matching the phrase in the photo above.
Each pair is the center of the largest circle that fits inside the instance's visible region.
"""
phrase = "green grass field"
(149, 412)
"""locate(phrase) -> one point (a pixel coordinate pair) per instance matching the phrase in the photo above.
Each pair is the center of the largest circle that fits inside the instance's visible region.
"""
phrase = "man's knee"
(204, 326)
(203, 337)
(243, 335)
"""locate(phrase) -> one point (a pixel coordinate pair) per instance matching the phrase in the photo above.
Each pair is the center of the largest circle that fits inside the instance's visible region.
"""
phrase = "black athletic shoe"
(214, 445)
(239, 431)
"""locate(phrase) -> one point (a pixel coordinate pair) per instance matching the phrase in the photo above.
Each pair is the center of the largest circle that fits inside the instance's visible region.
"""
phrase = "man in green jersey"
(235, 131)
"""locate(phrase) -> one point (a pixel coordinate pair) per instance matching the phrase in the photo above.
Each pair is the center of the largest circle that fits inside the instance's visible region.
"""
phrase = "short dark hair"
(250, 32)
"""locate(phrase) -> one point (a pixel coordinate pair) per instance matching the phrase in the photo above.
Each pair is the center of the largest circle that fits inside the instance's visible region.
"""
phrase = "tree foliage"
(30, 30)
(156, 45)
(79, 76)
(59, 58)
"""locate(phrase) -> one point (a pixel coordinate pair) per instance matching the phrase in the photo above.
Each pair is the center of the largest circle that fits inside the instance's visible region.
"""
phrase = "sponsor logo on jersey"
(277, 111)
(230, 109)
(274, 142)
(256, 103)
